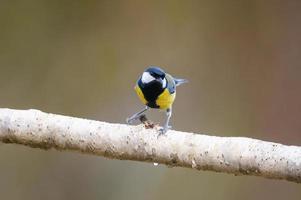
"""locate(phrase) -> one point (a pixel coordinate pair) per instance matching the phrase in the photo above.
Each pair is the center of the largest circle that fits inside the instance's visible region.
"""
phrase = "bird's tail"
(180, 81)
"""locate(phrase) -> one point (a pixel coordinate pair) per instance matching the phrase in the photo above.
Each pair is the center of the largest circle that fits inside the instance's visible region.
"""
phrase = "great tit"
(156, 89)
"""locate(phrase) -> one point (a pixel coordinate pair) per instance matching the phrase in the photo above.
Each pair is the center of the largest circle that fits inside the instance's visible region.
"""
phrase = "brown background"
(82, 58)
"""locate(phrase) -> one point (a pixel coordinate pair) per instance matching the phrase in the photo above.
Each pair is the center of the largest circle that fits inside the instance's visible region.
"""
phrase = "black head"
(153, 75)
(152, 83)
(156, 72)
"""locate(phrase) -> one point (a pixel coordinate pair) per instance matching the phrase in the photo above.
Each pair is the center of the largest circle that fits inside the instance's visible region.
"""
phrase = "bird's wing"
(171, 84)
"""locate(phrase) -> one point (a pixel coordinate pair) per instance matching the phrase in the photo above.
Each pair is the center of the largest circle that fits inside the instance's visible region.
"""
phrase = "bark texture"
(236, 155)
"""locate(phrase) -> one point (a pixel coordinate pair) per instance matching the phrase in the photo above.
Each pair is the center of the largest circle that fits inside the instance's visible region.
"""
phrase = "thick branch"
(236, 155)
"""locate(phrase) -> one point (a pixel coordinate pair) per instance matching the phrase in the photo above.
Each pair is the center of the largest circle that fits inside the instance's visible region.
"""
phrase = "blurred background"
(82, 58)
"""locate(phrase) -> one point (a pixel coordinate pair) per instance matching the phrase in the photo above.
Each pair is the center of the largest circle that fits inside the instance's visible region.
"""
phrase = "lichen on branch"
(235, 155)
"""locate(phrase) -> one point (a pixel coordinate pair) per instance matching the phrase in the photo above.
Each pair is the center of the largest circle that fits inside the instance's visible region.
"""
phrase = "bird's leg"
(166, 125)
(136, 115)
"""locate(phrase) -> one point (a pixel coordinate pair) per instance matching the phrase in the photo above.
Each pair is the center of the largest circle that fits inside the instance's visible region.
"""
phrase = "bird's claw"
(163, 130)
(129, 120)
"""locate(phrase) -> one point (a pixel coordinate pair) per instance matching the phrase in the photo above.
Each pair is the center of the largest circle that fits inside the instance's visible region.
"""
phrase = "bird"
(157, 90)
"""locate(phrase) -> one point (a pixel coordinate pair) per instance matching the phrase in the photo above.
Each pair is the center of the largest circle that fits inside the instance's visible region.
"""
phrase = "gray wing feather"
(171, 84)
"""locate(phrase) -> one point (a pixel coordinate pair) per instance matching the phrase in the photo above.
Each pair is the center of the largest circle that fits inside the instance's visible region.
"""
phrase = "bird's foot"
(163, 130)
(129, 120)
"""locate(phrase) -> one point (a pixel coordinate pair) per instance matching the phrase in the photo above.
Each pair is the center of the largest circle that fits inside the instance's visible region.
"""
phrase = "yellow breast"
(165, 99)
(140, 94)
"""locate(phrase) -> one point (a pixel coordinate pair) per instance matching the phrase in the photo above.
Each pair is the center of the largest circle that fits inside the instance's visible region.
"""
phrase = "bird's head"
(154, 74)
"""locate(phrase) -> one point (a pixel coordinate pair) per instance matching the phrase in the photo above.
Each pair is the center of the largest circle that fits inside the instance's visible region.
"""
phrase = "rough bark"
(236, 155)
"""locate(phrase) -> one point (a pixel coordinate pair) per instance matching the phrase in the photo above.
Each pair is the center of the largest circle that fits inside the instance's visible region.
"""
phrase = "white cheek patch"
(146, 77)
(164, 83)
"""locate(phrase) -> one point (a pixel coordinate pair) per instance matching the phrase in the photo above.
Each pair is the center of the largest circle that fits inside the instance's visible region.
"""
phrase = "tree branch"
(236, 155)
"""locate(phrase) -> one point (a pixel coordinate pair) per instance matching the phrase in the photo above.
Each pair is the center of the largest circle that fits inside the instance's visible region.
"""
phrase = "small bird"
(156, 89)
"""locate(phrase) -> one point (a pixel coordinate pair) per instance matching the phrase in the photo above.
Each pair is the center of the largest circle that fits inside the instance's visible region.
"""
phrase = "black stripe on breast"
(152, 104)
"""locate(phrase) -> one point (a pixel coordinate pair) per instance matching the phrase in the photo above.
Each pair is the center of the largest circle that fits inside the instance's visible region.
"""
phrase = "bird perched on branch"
(156, 89)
